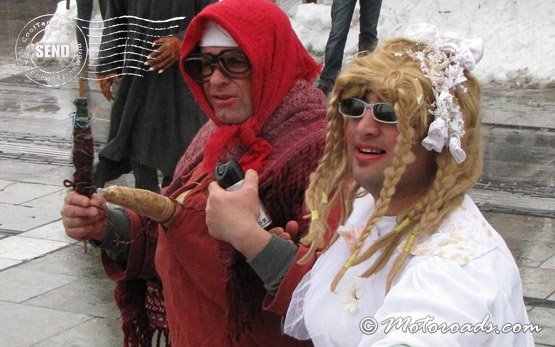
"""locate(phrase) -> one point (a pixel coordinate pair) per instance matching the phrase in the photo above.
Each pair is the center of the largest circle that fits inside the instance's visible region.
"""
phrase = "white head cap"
(213, 35)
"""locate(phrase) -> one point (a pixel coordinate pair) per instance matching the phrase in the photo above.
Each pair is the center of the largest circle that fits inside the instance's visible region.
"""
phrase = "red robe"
(194, 268)
(212, 297)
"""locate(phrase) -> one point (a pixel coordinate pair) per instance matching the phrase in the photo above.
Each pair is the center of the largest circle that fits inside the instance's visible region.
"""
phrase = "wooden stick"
(82, 95)
(82, 88)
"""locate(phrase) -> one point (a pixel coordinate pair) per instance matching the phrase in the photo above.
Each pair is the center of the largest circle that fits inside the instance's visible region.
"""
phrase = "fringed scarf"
(140, 301)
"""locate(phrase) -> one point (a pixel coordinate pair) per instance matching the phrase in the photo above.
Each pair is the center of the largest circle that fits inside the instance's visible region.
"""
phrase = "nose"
(367, 125)
(218, 77)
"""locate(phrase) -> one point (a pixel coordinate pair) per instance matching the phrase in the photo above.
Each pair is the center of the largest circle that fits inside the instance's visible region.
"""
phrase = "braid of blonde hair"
(331, 183)
(403, 157)
(397, 85)
(438, 202)
(427, 217)
(323, 193)
(393, 174)
(452, 180)
(388, 242)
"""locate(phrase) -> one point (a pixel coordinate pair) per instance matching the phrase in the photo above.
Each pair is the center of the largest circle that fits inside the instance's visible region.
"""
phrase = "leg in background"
(341, 16)
(146, 177)
(369, 16)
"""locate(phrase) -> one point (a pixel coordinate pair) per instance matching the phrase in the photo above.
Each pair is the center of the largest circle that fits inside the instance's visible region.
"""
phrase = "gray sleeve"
(273, 262)
(116, 240)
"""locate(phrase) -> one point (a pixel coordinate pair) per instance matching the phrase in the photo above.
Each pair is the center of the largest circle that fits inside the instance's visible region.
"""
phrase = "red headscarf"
(278, 59)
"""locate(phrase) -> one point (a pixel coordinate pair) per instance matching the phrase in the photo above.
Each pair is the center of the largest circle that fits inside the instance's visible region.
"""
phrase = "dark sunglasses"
(231, 62)
(381, 111)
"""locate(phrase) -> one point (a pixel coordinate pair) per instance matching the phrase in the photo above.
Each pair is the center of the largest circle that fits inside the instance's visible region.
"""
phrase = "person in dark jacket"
(154, 116)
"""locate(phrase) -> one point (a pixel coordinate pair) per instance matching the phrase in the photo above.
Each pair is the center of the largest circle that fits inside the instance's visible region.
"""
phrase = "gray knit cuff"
(116, 239)
(273, 262)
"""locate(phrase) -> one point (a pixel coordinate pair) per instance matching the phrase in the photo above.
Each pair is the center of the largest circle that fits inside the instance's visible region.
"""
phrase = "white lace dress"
(462, 279)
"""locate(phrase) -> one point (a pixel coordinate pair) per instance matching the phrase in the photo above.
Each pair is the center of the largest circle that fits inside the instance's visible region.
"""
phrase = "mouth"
(222, 100)
(367, 153)
(370, 151)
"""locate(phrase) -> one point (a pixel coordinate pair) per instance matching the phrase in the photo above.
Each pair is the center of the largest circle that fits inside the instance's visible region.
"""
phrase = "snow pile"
(62, 30)
(519, 36)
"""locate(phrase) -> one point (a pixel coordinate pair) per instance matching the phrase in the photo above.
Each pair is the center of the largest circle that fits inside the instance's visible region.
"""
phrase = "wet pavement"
(53, 294)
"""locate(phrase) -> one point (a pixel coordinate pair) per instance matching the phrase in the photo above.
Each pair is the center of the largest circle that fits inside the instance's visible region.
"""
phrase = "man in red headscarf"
(253, 79)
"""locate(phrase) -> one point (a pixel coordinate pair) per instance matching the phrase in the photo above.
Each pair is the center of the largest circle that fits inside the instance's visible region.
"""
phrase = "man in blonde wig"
(414, 262)
(420, 266)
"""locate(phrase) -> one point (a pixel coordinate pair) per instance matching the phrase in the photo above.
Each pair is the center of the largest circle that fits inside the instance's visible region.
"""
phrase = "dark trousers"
(84, 14)
(341, 17)
(145, 176)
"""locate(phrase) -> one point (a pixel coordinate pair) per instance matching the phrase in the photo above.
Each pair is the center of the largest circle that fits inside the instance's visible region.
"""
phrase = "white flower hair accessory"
(443, 61)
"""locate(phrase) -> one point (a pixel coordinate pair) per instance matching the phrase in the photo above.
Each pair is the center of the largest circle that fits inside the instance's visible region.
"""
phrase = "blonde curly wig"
(395, 77)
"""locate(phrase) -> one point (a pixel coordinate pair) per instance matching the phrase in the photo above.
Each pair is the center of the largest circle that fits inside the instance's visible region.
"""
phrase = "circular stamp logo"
(46, 50)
